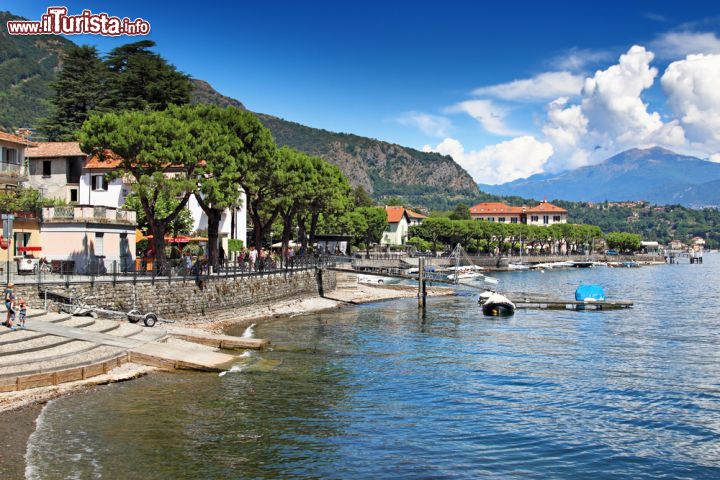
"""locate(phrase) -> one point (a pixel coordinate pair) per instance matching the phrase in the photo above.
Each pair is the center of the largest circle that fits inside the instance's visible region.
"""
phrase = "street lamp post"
(7, 221)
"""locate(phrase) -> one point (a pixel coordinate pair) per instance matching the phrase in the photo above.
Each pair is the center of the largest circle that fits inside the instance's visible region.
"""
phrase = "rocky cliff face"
(381, 168)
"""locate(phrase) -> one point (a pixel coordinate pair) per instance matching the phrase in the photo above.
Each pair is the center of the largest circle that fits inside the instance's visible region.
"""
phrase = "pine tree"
(78, 92)
(140, 79)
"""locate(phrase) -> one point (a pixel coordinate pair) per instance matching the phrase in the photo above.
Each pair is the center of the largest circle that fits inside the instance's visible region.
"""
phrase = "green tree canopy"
(140, 79)
(78, 89)
(159, 151)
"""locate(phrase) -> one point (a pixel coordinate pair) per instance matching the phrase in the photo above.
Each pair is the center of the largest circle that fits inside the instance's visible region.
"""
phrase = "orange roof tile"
(394, 214)
(545, 207)
(55, 149)
(493, 208)
(111, 161)
(412, 214)
(9, 137)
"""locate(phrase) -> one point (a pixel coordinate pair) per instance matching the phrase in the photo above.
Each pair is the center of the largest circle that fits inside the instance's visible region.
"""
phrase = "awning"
(29, 249)
(179, 239)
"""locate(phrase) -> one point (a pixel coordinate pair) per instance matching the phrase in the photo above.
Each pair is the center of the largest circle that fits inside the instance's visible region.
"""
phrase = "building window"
(99, 182)
(501, 219)
(99, 244)
(73, 195)
(556, 218)
(514, 220)
(491, 219)
(10, 155)
(47, 168)
(546, 219)
(534, 218)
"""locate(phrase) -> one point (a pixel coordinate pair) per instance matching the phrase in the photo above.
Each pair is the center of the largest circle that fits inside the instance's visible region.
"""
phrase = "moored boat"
(498, 305)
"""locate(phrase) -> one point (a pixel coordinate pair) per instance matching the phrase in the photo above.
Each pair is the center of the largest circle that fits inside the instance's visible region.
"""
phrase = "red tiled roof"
(55, 149)
(412, 214)
(9, 137)
(394, 214)
(113, 160)
(545, 207)
(492, 208)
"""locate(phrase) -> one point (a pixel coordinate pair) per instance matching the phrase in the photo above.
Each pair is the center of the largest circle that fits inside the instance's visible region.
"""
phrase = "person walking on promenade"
(22, 313)
(9, 297)
(221, 256)
(253, 259)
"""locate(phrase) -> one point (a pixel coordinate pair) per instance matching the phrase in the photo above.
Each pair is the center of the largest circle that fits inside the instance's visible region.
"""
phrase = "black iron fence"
(175, 271)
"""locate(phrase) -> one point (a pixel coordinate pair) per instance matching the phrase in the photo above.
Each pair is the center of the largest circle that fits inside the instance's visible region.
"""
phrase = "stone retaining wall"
(183, 300)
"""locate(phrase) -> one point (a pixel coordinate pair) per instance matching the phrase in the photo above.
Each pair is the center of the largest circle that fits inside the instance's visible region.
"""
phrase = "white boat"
(518, 266)
(377, 280)
(460, 276)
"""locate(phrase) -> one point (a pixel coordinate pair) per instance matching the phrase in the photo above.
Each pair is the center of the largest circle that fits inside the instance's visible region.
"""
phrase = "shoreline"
(22, 408)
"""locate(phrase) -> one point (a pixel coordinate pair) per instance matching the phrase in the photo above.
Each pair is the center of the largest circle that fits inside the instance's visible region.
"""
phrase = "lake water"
(381, 391)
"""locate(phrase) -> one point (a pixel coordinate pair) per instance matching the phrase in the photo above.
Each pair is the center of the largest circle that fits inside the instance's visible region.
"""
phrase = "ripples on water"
(379, 391)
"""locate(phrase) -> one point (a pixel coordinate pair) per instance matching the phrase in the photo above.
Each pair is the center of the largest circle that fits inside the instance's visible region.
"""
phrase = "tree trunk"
(214, 215)
(158, 241)
(313, 227)
(158, 227)
(302, 233)
(287, 217)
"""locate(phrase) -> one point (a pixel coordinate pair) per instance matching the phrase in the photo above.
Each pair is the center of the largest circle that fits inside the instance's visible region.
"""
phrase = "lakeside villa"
(399, 219)
(544, 213)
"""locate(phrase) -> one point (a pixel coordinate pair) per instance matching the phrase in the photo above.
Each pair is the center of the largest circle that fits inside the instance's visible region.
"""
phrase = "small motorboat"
(376, 280)
(582, 264)
(630, 264)
(590, 293)
(518, 266)
(498, 305)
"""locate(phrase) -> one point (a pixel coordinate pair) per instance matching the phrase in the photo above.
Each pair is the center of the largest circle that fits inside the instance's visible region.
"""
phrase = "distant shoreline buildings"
(543, 214)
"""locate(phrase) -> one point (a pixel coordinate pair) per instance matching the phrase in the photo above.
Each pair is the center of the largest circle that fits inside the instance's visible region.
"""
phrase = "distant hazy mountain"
(654, 174)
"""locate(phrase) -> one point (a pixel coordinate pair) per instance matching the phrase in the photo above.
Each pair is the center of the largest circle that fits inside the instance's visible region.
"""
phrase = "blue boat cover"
(590, 292)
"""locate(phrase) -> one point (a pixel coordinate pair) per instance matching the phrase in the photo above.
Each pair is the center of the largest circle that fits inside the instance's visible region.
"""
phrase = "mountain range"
(655, 174)
(28, 65)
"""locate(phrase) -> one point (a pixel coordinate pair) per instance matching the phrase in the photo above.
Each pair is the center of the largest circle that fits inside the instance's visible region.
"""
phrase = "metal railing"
(124, 271)
(12, 170)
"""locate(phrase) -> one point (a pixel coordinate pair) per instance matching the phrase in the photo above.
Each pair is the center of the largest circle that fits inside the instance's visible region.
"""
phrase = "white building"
(55, 169)
(399, 219)
(61, 170)
(96, 189)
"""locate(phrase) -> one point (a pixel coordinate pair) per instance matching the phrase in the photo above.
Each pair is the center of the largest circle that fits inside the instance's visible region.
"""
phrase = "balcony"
(87, 214)
(12, 172)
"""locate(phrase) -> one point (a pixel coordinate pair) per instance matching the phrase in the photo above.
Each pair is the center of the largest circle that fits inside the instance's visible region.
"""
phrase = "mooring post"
(421, 282)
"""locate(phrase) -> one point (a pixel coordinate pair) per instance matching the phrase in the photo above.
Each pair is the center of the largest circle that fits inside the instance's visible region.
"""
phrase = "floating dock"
(546, 304)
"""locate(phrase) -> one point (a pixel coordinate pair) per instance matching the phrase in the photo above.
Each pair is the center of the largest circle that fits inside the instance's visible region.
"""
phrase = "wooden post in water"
(421, 277)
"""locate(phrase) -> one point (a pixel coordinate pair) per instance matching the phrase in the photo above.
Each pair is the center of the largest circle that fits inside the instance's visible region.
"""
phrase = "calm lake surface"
(379, 391)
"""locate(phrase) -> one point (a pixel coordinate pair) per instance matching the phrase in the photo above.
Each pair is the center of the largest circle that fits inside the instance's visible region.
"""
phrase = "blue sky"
(404, 71)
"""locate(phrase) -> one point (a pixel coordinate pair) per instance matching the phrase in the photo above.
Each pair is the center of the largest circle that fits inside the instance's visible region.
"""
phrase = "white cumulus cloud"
(490, 115)
(692, 87)
(612, 102)
(544, 86)
(433, 125)
(503, 162)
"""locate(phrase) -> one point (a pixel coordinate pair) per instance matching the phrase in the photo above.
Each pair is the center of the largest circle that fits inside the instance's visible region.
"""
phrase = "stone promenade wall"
(183, 300)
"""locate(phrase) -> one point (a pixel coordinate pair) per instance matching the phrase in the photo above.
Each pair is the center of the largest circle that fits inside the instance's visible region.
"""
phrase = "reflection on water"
(383, 391)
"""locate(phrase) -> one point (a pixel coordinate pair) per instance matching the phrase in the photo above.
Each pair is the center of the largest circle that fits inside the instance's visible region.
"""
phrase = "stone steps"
(41, 341)
(16, 362)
